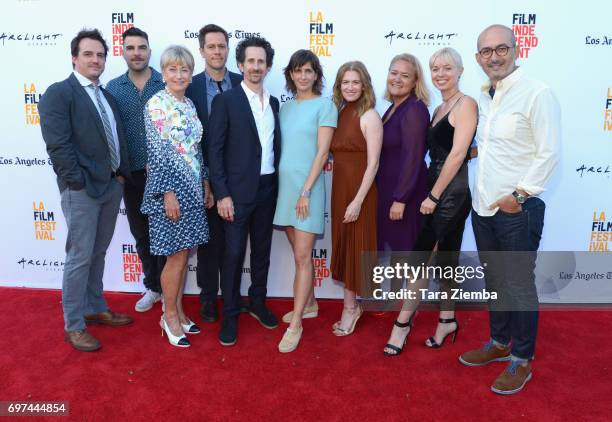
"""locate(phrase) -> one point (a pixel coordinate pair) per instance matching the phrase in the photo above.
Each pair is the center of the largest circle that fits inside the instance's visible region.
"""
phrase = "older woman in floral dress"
(176, 187)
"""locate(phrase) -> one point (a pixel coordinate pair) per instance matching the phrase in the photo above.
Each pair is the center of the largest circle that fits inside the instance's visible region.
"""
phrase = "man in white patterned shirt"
(518, 140)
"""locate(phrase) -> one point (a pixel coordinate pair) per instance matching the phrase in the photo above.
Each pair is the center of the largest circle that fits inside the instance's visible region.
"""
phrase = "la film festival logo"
(44, 222)
(121, 22)
(601, 233)
(608, 112)
(321, 34)
(132, 266)
(524, 28)
(320, 263)
(31, 97)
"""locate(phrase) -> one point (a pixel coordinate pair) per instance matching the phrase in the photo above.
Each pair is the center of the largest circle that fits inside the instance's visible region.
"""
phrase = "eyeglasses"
(500, 50)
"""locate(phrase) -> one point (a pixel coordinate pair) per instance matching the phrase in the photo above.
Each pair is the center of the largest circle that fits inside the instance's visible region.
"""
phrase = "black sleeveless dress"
(446, 224)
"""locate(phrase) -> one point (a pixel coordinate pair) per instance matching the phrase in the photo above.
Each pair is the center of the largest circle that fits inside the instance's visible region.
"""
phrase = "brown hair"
(367, 100)
(301, 58)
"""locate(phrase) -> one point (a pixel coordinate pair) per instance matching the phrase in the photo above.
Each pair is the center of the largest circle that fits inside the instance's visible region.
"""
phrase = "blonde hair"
(420, 89)
(367, 100)
(177, 54)
(449, 54)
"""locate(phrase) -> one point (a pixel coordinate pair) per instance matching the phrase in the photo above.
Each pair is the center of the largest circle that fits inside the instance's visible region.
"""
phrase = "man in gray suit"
(85, 141)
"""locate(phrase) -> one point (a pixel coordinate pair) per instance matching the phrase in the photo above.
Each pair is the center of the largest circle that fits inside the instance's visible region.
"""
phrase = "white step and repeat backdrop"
(567, 46)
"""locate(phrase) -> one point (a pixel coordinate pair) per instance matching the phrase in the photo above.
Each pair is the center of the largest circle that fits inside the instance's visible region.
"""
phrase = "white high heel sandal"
(178, 341)
(191, 327)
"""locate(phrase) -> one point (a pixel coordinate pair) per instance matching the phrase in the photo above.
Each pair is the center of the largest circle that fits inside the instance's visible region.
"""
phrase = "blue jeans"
(91, 224)
(514, 316)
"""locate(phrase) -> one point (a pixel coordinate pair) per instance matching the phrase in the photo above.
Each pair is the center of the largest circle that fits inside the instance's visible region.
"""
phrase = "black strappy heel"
(399, 350)
(431, 341)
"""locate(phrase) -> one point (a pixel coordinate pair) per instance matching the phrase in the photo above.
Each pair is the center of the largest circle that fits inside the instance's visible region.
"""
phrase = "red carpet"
(137, 375)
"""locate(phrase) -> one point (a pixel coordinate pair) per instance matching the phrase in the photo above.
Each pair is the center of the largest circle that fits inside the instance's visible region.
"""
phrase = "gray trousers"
(91, 224)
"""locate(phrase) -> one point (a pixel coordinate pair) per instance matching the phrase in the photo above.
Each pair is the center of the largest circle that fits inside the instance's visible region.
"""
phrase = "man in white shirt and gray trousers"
(518, 140)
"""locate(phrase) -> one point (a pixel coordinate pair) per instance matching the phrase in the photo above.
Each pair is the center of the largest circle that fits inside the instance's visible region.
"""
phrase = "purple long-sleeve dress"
(402, 174)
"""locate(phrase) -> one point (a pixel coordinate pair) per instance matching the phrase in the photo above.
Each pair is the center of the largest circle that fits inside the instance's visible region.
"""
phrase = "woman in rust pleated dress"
(356, 149)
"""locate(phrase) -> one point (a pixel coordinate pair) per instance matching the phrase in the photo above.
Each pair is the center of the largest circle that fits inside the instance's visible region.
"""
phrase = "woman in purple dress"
(402, 175)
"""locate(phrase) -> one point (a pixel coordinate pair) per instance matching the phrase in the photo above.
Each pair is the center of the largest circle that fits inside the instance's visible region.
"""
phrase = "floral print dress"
(174, 165)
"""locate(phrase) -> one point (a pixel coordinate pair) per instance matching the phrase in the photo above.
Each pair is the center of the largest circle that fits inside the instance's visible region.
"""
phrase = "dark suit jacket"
(196, 91)
(234, 149)
(72, 129)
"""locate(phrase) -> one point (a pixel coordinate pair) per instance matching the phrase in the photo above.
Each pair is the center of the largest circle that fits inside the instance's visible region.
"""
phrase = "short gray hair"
(449, 54)
(177, 54)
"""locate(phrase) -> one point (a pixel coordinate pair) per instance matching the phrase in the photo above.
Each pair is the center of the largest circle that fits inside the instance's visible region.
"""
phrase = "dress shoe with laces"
(513, 379)
(109, 318)
(487, 354)
(82, 340)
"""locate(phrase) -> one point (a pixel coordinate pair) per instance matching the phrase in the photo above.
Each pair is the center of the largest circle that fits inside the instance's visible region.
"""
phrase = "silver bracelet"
(305, 193)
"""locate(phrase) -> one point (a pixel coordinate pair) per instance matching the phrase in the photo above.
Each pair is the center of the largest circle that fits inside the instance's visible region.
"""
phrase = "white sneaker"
(148, 299)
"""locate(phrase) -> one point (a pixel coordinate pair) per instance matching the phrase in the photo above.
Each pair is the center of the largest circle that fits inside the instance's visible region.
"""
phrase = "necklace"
(174, 96)
(445, 101)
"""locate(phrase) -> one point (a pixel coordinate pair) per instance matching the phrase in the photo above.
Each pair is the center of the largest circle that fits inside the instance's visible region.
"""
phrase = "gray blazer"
(72, 129)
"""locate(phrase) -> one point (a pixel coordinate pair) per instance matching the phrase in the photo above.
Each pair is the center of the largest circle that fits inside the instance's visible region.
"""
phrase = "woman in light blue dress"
(307, 126)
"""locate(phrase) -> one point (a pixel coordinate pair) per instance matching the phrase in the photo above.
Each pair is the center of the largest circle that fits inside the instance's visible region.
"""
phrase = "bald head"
(497, 31)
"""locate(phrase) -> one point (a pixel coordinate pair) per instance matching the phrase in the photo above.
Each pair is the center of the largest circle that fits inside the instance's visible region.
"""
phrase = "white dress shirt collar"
(265, 124)
(506, 83)
(253, 95)
(84, 81)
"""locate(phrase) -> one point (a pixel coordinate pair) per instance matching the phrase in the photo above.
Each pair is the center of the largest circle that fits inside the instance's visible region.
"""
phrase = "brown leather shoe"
(108, 318)
(82, 340)
(513, 379)
(487, 354)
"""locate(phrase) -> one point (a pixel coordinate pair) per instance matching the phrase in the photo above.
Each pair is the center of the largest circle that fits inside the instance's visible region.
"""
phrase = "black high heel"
(433, 344)
(399, 350)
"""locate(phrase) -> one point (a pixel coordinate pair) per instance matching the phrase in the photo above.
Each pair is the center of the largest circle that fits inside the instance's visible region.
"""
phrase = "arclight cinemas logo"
(45, 264)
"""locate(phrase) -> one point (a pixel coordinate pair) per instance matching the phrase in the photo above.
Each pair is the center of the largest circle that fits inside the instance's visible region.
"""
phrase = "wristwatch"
(519, 198)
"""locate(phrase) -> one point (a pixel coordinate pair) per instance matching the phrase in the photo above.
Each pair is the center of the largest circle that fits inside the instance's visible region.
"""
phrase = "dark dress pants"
(210, 258)
(514, 315)
(254, 220)
(139, 227)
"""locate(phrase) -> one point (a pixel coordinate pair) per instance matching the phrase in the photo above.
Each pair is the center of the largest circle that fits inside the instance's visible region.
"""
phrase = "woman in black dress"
(449, 201)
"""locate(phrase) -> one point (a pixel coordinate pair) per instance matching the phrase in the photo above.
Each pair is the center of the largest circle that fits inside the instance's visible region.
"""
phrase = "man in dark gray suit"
(86, 143)
(215, 79)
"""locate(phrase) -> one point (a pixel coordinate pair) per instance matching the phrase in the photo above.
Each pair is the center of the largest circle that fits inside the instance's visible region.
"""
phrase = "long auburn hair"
(367, 100)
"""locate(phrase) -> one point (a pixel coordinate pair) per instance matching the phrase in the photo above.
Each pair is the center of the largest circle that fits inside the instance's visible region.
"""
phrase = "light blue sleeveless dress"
(299, 123)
